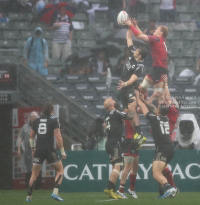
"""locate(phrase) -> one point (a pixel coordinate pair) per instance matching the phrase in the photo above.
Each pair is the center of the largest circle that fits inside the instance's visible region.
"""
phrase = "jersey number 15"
(164, 126)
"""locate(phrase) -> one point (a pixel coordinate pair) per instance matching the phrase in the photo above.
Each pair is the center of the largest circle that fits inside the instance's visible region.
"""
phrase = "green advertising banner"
(88, 171)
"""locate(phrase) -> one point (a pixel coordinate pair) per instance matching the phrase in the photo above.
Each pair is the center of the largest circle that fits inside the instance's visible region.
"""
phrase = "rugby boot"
(56, 197)
(122, 194)
(132, 193)
(170, 192)
(111, 194)
(106, 190)
(29, 198)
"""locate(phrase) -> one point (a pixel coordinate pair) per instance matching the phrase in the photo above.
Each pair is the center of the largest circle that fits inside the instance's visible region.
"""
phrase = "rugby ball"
(121, 17)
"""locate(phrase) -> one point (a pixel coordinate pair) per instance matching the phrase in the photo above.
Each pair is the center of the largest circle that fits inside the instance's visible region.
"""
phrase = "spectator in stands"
(170, 67)
(20, 6)
(62, 35)
(24, 150)
(118, 69)
(81, 66)
(82, 5)
(36, 53)
(167, 10)
(197, 79)
(100, 64)
(152, 27)
(114, 7)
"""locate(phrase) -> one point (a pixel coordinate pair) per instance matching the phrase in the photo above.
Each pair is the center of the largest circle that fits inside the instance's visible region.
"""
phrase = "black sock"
(111, 185)
(161, 189)
(30, 189)
(167, 186)
(137, 129)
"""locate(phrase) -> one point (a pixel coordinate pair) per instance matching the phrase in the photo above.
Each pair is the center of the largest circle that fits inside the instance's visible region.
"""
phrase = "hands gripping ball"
(121, 17)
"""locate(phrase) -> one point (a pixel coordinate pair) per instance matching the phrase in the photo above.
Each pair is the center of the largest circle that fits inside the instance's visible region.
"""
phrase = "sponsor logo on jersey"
(43, 120)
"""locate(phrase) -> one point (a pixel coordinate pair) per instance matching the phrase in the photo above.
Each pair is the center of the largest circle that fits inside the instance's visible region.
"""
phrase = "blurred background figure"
(25, 153)
(100, 63)
(36, 53)
(170, 67)
(167, 10)
(62, 33)
(136, 6)
(118, 69)
(151, 28)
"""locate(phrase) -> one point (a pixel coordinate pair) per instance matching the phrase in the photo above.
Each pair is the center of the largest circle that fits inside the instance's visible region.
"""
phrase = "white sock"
(55, 191)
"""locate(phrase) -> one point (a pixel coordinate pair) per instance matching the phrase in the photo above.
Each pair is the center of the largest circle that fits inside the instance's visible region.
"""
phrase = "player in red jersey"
(131, 157)
(158, 75)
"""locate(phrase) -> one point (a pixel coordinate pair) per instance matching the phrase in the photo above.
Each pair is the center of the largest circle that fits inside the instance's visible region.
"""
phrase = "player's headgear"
(143, 52)
(163, 109)
(47, 108)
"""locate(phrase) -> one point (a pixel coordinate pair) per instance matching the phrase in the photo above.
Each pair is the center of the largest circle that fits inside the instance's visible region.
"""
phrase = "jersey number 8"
(42, 129)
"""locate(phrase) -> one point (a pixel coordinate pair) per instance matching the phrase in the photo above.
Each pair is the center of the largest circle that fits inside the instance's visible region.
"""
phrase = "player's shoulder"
(53, 117)
(151, 115)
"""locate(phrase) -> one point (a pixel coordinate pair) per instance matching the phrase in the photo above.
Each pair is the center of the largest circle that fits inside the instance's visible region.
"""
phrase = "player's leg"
(158, 87)
(146, 83)
(128, 163)
(54, 160)
(166, 90)
(133, 175)
(35, 173)
(157, 168)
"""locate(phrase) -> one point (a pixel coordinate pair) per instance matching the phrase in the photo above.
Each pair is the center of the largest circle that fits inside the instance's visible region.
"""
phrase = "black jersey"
(132, 67)
(44, 127)
(160, 131)
(114, 123)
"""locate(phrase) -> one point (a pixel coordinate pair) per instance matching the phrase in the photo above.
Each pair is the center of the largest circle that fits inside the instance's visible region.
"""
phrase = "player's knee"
(144, 85)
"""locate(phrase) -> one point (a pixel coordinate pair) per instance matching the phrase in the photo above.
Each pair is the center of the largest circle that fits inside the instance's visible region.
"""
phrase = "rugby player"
(131, 158)
(46, 127)
(164, 146)
(158, 75)
(114, 127)
(132, 71)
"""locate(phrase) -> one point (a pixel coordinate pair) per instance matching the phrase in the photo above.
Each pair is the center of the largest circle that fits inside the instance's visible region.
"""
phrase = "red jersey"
(158, 51)
(172, 116)
(129, 129)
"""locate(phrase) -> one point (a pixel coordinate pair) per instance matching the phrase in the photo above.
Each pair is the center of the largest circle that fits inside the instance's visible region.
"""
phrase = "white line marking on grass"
(107, 200)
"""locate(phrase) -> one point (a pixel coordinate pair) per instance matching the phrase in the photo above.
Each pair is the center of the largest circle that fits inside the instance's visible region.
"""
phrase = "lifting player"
(46, 127)
(114, 128)
(164, 146)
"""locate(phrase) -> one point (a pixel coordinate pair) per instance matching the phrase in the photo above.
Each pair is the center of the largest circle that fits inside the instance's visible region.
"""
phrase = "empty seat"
(183, 62)
(174, 35)
(80, 17)
(73, 95)
(84, 35)
(101, 16)
(24, 25)
(183, 80)
(98, 105)
(47, 34)
(180, 44)
(54, 69)
(21, 43)
(87, 104)
(27, 34)
(90, 96)
(17, 16)
(181, 9)
(184, 16)
(190, 35)
(6, 26)
(64, 87)
(54, 61)
(54, 78)
(107, 94)
(101, 87)
(86, 43)
(8, 59)
(188, 53)
(11, 34)
(8, 43)
(74, 78)
(82, 87)
(95, 78)
(175, 52)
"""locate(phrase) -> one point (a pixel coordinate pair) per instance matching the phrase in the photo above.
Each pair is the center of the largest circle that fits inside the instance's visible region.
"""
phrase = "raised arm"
(124, 115)
(122, 84)
(129, 38)
(141, 104)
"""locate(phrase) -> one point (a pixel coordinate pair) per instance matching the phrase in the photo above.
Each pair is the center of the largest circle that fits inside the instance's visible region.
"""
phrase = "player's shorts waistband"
(132, 155)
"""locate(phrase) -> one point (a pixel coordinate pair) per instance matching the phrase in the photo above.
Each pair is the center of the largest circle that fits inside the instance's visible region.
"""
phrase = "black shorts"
(45, 153)
(129, 149)
(125, 95)
(113, 148)
(164, 156)
(157, 74)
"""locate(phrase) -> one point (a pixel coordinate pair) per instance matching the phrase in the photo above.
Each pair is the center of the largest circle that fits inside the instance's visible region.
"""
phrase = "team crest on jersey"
(128, 65)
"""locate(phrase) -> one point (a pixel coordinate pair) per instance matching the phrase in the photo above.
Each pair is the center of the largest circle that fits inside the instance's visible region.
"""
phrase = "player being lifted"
(132, 71)
(46, 127)
(164, 146)
(158, 75)
(114, 127)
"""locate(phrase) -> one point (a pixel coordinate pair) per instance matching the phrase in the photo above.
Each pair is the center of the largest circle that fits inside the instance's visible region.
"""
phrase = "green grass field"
(43, 197)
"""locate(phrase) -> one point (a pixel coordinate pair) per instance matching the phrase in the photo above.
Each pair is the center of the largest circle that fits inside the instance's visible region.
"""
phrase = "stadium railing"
(34, 90)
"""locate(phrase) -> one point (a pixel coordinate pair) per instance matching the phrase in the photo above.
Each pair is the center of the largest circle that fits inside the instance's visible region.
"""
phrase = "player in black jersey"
(46, 127)
(132, 71)
(114, 128)
(164, 146)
